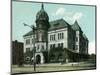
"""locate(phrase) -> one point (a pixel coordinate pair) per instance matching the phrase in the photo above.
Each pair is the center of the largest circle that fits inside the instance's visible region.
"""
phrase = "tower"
(42, 24)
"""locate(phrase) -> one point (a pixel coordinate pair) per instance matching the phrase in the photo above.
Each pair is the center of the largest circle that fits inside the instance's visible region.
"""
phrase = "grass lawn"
(52, 67)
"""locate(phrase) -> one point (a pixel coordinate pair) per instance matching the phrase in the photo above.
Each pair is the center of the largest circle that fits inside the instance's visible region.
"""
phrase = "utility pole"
(34, 48)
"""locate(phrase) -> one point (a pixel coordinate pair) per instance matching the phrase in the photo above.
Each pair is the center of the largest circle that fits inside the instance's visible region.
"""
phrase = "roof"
(17, 42)
(42, 13)
(57, 24)
(29, 33)
(76, 26)
(85, 36)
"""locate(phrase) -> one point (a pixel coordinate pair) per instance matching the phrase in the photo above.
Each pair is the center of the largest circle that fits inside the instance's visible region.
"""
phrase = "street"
(52, 67)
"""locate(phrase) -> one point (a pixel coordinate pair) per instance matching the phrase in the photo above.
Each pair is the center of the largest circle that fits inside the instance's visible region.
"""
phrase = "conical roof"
(42, 14)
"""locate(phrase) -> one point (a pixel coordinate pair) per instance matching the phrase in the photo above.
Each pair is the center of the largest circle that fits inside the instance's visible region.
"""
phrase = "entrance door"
(38, 59)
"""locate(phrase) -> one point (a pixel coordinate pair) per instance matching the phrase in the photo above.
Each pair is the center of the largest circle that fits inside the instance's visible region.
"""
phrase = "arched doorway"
(38, 59)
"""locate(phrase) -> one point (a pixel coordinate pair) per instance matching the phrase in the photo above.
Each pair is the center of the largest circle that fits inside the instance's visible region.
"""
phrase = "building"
(17, 53)
(54, 34)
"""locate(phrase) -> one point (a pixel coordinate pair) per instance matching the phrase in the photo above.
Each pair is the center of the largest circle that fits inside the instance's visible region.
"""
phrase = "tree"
(93, 58)
(28, 56)
(55, 54)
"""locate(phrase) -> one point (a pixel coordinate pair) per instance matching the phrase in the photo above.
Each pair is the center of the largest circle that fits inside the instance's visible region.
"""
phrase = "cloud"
(60, 11)
(91, 47)
(68, 16)
(73, 16)
(77, 16)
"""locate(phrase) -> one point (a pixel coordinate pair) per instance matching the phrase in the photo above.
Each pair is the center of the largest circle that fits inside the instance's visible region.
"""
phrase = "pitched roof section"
(27, 34)
(76, 26)
(58, 24)
(85, 36)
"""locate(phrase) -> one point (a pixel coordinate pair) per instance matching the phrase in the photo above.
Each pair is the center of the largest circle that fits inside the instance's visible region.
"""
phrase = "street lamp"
(34, 48)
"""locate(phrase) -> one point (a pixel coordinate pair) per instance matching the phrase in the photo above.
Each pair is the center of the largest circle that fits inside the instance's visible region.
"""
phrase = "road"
(52, 67)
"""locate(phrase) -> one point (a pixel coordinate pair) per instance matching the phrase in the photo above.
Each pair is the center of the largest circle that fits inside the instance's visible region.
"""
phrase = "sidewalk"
(65, 64)
(53, 67)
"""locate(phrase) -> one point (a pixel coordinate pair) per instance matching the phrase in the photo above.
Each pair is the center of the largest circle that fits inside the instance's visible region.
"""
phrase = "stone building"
(54, 34)
(17, 53)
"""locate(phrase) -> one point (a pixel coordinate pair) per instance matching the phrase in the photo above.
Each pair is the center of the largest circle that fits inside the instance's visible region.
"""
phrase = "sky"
(25, 12)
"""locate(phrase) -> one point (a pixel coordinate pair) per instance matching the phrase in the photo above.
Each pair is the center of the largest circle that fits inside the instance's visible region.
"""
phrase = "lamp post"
(34, 48)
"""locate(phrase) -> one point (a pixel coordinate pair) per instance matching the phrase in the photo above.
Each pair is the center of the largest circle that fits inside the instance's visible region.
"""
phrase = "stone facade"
(54, 34)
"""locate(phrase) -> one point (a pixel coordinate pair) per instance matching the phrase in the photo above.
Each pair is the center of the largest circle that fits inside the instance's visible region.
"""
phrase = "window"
(62, 35)
(32, 41)
(76, 47)
(53, 45)
(42, 47)
(52, 37)
(28, 41)
(61, 45)
(58, 36)
(37, 46)
(73, 46)
(76, 38)
(27, 49)
(58, 44)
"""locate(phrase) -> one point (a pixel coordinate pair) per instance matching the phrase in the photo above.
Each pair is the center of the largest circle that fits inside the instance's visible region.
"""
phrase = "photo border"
(51, 3)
